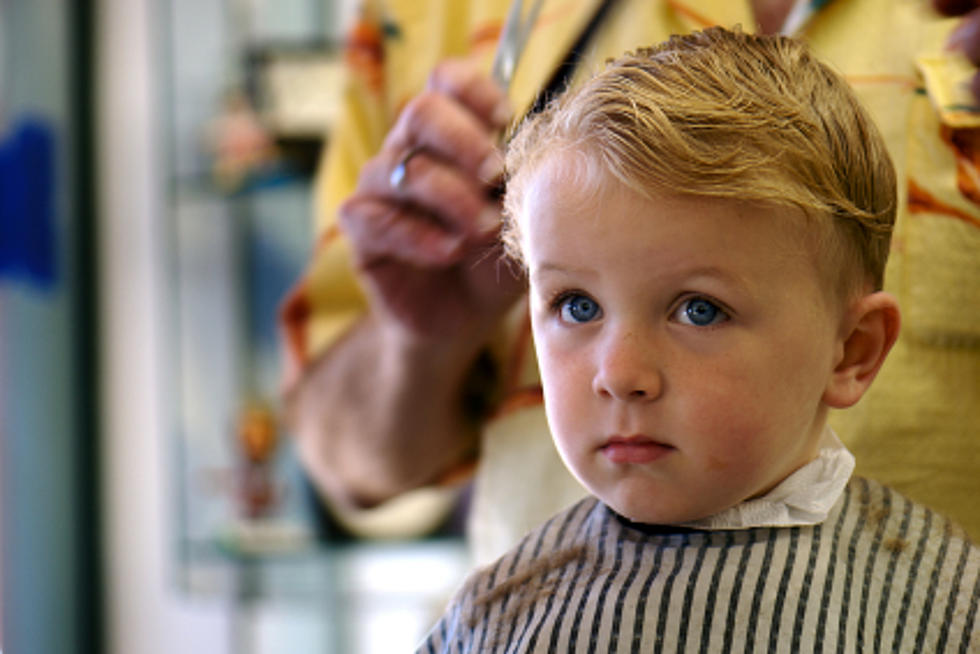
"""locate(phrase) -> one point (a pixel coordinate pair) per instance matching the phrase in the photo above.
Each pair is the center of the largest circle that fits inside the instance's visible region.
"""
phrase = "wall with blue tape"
(27, 186)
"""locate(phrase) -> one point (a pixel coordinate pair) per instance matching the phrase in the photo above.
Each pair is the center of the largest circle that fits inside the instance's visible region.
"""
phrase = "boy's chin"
(653, 513)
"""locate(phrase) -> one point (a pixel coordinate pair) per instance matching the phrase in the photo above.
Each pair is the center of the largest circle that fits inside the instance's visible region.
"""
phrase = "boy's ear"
(870, 329)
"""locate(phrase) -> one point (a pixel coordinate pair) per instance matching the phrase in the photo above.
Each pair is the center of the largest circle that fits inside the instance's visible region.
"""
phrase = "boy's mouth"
(634, 449)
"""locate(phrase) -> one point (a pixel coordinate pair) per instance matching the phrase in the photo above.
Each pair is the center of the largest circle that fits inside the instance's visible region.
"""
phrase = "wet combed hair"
(726, 114)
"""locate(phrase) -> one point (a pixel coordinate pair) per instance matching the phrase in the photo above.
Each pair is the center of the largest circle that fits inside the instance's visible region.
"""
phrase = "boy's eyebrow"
(547, 267)
(715, 271)
(554, 267)
(700, 271)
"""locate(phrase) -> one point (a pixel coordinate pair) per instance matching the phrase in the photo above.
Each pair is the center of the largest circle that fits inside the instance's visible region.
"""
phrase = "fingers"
(435, 187)
(954, 7)
(463, 80)
(457, 118)
(438, 210)
(382, 231)
(444, 128)
(966, 37)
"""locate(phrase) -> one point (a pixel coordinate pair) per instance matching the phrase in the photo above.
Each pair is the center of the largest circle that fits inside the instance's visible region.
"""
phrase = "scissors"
(513, 38)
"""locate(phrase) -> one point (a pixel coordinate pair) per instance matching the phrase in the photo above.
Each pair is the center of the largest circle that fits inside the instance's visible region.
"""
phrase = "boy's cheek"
(560, 359)
(726, 428)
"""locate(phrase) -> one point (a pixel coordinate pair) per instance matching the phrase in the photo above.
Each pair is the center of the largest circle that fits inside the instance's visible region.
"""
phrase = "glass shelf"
(362, 598)
(248, 533)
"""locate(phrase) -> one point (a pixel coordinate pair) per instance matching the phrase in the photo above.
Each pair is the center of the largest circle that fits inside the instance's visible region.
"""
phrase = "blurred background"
(156, 160)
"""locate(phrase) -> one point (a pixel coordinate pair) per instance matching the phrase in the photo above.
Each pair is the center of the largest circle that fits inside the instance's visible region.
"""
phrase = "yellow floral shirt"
(918, 428)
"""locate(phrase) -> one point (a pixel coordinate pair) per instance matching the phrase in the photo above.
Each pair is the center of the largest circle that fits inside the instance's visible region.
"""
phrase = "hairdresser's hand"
(966, 37)
(381, 412)
(427, 246)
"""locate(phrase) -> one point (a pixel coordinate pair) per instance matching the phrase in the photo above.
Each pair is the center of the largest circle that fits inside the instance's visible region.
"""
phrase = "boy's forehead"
(569, 179)
(576, 186)
(569, 169)
(577, 181)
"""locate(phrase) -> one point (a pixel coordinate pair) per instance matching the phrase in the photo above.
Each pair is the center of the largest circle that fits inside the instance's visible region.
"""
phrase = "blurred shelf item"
(295, 88)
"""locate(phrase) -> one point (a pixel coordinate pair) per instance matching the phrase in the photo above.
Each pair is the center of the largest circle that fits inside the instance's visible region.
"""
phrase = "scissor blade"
(513, 37)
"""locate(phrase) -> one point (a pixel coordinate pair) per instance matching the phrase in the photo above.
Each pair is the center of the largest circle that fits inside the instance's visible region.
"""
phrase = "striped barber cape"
(881, 574)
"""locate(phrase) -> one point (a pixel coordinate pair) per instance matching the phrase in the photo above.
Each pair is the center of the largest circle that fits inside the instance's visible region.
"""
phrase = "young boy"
(704, 227)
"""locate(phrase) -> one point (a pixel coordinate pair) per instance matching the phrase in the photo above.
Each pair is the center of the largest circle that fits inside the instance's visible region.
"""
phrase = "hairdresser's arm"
(382, 411)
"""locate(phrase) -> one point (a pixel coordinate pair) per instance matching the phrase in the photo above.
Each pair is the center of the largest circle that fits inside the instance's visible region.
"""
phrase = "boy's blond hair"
(725, 114)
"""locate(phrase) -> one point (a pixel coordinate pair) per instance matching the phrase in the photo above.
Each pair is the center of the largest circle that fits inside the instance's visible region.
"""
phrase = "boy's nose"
(626, 370)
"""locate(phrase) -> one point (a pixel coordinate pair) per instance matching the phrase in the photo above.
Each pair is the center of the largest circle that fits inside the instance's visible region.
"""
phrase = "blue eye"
(701, 312)
(578, 308)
